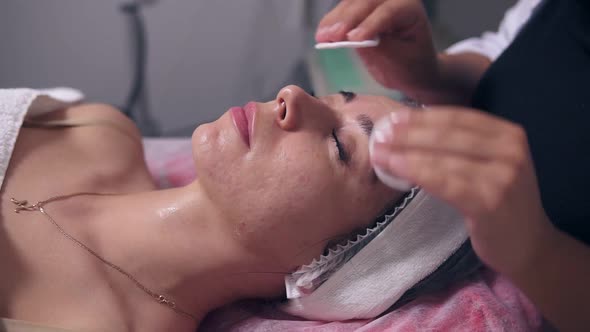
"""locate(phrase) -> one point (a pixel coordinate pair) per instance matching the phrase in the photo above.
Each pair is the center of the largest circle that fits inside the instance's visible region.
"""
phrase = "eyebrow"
(363, 120)
(347, 95)
(366, 124)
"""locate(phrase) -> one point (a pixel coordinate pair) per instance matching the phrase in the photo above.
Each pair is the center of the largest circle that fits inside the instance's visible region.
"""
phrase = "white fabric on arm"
(16, 104)
(492, 44)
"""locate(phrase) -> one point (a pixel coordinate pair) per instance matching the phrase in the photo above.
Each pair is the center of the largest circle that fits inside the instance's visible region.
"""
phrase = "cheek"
(203, 141)
(216, 155)
(275, 197)
(291, 199)
(287, 191)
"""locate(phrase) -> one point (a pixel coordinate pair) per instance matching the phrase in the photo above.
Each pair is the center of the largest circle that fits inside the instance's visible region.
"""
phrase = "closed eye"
(343, 155)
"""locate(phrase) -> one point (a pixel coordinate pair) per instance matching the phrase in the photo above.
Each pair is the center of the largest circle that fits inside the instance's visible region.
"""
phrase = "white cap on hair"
(368, 275)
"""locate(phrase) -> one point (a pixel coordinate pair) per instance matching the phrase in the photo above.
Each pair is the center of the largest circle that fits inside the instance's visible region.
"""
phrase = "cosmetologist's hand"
(480, 164)
(406, 58)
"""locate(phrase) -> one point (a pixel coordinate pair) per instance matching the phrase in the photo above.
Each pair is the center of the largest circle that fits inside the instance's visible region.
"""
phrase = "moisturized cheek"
(203, 139)
(204, 134)
(167, 212)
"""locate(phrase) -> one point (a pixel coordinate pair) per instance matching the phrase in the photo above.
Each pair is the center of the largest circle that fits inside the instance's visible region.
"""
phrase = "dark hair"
(460, 266)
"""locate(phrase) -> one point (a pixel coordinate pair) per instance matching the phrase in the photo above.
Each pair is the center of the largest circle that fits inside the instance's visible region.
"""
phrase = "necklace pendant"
(23, 205)
(163, 300)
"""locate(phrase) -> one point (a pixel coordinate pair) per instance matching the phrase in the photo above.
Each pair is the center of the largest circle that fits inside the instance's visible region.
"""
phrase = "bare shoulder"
(93, 114)
(103, 137)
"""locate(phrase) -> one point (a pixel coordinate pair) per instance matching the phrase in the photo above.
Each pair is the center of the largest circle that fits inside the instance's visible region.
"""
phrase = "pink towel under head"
(488, 302)
(170, 161)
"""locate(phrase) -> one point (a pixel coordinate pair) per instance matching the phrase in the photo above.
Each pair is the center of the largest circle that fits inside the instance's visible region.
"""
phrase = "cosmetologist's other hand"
(480, 164)
(406, 58)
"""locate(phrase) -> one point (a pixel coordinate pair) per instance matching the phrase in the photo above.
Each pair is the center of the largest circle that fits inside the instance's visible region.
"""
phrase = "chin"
(204, 144)
(215, 149)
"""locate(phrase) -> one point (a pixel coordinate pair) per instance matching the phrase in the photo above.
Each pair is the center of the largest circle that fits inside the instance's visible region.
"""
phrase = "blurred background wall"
(203, 55)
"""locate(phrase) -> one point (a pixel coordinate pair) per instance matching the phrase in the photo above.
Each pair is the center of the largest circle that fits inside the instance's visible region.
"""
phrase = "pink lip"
(243, 118)
(250, 109)
(241, 122)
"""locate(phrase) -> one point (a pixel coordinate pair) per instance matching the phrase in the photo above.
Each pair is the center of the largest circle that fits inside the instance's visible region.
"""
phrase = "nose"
(291, 101)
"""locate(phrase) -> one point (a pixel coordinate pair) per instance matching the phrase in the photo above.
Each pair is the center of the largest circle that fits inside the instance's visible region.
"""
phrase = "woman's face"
(292, 174)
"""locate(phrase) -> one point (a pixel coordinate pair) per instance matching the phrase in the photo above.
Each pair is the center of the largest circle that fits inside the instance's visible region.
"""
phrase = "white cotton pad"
(379, 131)
(348, 44)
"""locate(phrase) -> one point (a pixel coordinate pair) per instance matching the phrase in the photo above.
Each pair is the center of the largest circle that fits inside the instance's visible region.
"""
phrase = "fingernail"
(397, 164)
(389, 161)
(321, 33)
(355, 33)
(384, 132)
(400, 117)
(335, 27)
(379, 156)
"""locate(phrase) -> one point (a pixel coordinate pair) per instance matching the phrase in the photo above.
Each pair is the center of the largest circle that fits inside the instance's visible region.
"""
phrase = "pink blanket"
(170, 161)
(487, 303)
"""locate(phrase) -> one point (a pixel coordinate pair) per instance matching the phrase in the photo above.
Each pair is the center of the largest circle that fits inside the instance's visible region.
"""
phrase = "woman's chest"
(50, 277)
(49, 162)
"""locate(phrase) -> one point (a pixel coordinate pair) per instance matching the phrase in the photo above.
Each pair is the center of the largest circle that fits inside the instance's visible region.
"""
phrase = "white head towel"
(15, 104)
(409, 245)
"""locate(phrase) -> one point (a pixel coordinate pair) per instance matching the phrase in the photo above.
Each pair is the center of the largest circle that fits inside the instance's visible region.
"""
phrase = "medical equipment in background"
(303, 16)
(136, 105)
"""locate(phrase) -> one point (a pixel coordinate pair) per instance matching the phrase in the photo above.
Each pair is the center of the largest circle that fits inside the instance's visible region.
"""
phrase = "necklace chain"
(23, 205)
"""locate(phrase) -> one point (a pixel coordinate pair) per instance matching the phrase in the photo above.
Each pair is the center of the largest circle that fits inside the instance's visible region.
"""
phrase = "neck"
(177, 244)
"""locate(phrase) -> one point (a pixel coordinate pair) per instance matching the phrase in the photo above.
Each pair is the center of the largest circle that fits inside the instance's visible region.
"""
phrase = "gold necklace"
(23, 205)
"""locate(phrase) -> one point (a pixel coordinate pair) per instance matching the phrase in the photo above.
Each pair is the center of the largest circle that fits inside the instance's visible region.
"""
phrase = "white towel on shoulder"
(16, 104)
